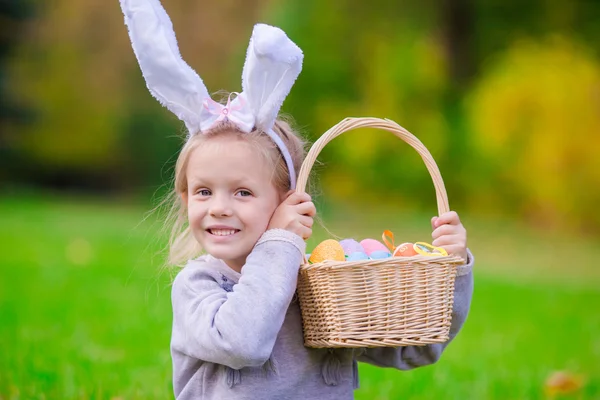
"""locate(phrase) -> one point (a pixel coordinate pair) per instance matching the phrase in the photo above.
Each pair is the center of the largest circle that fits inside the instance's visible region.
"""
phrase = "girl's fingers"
(456, 250)
(444, 230)
(451, 249)
(449, 240)
(305, 232)
(449, 234)
(297, 198)
(306, 221)
(450, 217)
(306, 208)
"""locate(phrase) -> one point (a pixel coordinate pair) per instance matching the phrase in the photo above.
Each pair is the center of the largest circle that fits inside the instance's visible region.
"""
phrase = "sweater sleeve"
(409, 357)
(237, 328)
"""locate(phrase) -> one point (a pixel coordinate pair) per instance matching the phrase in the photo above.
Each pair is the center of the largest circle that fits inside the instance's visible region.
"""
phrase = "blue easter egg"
(357, 256)
(380, 254)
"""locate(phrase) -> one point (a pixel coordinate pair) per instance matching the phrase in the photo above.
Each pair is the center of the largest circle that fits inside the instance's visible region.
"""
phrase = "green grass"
(85, 311)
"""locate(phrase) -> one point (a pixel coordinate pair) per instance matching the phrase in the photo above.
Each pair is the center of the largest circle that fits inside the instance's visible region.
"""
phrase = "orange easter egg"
(327, 250)
(405, 250)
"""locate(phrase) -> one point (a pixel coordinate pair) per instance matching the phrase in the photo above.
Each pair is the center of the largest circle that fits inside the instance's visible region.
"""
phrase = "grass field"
(85, 310)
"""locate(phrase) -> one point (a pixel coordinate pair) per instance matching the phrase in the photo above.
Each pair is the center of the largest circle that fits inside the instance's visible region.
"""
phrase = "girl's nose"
(220, 207)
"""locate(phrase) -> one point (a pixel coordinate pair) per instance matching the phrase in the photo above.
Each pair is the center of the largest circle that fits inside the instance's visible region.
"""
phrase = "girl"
(237, 331)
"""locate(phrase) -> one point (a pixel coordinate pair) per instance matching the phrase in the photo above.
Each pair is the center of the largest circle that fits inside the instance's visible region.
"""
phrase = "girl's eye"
(244, 193)
(204, 192)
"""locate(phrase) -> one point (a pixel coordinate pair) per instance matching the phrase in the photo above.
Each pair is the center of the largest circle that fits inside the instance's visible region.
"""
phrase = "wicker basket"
(390, 302)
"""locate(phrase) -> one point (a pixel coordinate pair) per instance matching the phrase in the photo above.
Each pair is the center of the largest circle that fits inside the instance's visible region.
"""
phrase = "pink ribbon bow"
(234, 111)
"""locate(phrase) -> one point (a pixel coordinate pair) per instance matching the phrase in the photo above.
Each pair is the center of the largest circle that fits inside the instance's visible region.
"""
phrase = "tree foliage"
(534, 115)
(503, 94)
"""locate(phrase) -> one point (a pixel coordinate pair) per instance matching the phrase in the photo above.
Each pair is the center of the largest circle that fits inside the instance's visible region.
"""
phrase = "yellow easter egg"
(427, 249)
(327, 250)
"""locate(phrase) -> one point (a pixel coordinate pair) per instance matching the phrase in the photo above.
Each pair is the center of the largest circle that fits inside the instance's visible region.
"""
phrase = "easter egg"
(379, 254)
(405, 250)
(371, 245)
(351, 246)
(427, 249)
(357, 256)
(327, 250)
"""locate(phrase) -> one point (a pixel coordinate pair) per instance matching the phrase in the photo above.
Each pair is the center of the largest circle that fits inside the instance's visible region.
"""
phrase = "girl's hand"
(449, 234)
(295, 214)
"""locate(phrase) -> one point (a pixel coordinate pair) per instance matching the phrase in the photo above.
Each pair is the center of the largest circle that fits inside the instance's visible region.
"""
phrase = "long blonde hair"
(182, 244)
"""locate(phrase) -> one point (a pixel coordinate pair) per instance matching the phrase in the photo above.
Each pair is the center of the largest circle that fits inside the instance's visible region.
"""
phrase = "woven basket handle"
(349, 124)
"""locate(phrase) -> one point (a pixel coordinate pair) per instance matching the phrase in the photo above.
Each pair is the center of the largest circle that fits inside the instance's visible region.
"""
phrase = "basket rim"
(415, 261)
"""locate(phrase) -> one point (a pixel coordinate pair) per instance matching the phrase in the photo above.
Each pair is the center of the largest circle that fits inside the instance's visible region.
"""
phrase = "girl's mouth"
(223, 232)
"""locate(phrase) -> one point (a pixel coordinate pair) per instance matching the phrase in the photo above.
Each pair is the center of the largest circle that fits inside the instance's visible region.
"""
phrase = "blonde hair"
(182, 244)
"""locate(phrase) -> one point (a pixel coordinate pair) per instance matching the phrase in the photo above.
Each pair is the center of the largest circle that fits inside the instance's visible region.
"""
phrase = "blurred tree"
(414, 62)
(13, 17)
(458, 30)
(77, 69)
(382, 59)
(534, 113)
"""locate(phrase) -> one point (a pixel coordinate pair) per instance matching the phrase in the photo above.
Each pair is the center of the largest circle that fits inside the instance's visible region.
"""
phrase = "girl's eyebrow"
(238, 182)
(195, 181)
(243, 181)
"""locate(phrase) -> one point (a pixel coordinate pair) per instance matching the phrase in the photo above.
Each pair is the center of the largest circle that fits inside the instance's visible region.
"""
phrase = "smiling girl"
(241, 231)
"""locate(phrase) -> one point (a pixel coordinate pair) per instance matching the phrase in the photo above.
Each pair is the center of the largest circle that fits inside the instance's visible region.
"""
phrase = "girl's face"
(230, 198)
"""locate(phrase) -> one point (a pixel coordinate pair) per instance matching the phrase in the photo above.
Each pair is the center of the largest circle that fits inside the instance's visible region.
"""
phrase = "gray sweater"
(239, 336)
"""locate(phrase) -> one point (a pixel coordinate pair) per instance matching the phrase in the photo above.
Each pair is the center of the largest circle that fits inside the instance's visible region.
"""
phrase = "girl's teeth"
(222, 232)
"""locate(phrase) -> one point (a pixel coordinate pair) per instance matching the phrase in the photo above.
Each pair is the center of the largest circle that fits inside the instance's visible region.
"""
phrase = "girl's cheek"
(193, 214)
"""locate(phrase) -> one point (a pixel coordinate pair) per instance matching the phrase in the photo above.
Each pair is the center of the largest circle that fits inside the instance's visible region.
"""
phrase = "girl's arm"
(408, 357)
(237, 328)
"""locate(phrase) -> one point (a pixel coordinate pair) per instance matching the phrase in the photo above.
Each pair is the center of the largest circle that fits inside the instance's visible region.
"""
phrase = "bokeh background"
(505, 95)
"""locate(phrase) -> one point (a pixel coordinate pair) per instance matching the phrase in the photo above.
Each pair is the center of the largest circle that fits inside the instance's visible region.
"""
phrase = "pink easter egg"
(371, 245)
(351, 246)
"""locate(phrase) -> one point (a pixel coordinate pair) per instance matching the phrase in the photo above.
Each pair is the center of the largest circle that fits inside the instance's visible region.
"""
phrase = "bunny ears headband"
(273, 62)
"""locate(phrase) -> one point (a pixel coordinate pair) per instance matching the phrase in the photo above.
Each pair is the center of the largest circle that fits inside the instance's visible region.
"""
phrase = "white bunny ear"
(174, 84)
(273, 62)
